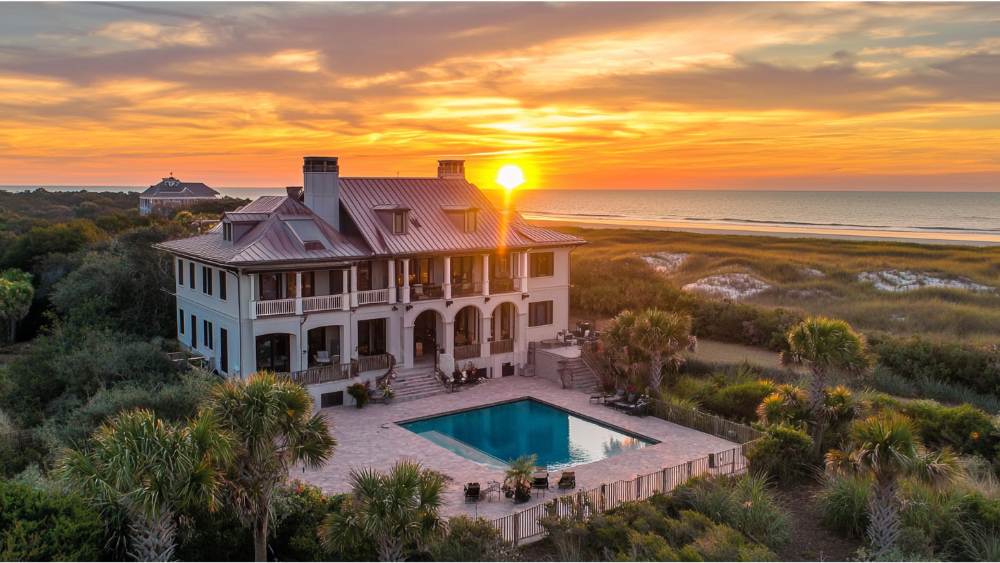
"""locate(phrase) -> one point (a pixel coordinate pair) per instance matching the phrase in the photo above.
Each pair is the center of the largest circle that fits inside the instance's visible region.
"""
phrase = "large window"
(364, 276)
(371, 337)
(180, 319)
(222, 285)
(206, 280)
(337, 282)
(180, 272)
(194, 331)
(191, 274)
(461, 269)
(422, 272)
(208, 335)
(224, 352)
(540, 314)
(308, 284)
(269, 286)
(541, 264)
(273, 352)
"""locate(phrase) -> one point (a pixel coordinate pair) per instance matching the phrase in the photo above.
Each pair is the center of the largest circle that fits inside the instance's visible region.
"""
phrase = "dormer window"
(227, 232)
(470, 221)
(399, 223)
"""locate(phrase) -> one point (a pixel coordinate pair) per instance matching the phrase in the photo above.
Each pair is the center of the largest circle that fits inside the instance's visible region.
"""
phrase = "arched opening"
(502, 325)
(273, 353)
(467, 337)
(425, 336)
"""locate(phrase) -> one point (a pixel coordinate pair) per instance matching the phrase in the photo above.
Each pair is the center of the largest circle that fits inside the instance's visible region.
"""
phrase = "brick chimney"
(451, 169)
(295, 192)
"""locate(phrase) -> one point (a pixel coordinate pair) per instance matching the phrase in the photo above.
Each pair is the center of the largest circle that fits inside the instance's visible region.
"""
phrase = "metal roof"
(173, 188)
(273, 240)
(430, 200)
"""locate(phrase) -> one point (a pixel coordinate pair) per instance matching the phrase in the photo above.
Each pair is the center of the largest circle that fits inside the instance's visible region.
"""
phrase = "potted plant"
(388, 392)
(360, 394)
(519, 476)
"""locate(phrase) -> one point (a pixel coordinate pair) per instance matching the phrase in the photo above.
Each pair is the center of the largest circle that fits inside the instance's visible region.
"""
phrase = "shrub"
(37, 525)
(784, 452)
(951, 362)
(218, 536)
(843, 504)
(360, 394)
(746, 504)
(471, 539)
(964, 428)
(738, 402)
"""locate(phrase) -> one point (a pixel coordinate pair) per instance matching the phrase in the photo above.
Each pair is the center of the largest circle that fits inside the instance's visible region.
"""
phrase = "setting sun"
(510, 176)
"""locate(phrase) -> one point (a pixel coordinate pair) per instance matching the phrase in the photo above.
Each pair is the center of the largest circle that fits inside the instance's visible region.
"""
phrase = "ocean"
(931, 215)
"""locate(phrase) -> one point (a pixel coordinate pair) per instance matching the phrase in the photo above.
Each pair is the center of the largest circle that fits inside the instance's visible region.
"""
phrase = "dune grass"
(931, 312)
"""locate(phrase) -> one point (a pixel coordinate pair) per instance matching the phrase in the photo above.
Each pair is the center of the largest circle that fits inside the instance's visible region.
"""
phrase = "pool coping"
(652, 441)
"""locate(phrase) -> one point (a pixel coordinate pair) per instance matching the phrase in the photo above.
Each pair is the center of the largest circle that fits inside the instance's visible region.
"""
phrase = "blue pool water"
(491, 436)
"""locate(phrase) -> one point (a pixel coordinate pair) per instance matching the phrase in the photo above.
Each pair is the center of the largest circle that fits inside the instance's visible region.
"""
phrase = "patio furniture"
(491, 487)
(567, 480)
(617, 398)
(322, 357)
(540, 479)
(599, 397)
(632, 399)
(640, 408)
(473, 493)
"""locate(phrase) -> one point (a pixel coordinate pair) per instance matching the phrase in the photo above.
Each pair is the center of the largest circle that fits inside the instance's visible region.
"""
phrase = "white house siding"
(211, 308)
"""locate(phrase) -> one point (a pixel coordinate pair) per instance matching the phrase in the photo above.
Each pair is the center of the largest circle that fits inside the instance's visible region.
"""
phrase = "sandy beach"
(919, 238)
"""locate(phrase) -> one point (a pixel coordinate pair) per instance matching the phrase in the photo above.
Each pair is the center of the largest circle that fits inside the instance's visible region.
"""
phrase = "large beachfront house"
(171, 193)
(332, 281)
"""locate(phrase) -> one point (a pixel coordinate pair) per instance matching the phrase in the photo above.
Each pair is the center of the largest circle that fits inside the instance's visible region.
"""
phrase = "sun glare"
(510, 176)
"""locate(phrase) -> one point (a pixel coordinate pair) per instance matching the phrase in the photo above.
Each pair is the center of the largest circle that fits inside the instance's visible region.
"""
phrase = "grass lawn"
(933, 312)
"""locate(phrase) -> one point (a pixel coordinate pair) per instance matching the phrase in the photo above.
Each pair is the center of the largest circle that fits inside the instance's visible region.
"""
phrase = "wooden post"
(517, 527)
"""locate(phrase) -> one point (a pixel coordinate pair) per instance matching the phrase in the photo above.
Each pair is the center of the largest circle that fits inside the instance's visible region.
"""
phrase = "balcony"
(468, 351)
(322, 303)
(466, 289)
(501, 347)
(373, 297)
(424, 292)
(321, 374)
(505, 285)
(379, 362)
(274, 307)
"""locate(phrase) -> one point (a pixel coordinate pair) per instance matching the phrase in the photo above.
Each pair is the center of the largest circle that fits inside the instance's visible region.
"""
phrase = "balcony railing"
(505, 285)
(468, 351)
(501, 347)
(426, 291)
(321, 374)
(373, 296)
(322, 303)
(379, 362)
(466, 289)
(275, 307)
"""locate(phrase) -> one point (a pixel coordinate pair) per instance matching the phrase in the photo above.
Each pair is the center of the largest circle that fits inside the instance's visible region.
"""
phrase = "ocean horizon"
(973, 215)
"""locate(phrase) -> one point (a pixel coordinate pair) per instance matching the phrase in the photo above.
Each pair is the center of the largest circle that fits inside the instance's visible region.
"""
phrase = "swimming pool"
(490, 436)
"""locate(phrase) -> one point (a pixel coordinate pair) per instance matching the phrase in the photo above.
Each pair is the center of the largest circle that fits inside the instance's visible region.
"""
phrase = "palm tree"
(16, 293)
(661, 335)
(788, 404)
(824, 344)
(887, 449)
(393, 510)
(616, 339)
(273, 427)
(519, 475)
(153, 470)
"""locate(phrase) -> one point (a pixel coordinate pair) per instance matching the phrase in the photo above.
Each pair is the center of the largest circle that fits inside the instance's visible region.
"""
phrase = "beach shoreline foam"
(714, 229)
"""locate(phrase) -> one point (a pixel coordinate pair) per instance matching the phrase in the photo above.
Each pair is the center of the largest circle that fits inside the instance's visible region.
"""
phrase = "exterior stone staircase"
(416, 383)
(578, 375)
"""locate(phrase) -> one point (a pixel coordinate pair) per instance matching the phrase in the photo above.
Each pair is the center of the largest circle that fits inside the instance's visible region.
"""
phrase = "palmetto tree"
(273, 427)
(395, 510)
(788, 404)
(154, 471)
(16, 293)
(616, 339)
(661, 335)
(824, 344)
(887, 449)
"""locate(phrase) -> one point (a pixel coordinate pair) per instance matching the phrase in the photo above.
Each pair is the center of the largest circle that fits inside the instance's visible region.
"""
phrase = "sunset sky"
(585, 95)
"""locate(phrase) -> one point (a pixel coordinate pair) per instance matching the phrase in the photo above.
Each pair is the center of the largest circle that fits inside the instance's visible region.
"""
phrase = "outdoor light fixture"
(408, 307)
(448, 303)
(524, 296)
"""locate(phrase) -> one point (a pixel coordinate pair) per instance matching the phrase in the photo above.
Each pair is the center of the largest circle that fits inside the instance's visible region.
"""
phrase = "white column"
(408, 346)
(354, 285)
(345, 299)
(484, 335)
(253, 296)
(392, 281)
(447, 280)
(406, 287)
(449, 339)
(486, 274)
(524, 272)
(298, 293)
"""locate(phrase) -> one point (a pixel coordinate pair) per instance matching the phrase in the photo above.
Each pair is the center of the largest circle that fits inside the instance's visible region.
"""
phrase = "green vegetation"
(37, 525)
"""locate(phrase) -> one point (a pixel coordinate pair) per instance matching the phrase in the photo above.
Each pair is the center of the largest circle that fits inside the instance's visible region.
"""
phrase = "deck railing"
(373, 296)
(505, 285)
(320, 374)
(468, 351)
(372, 363)
(704, 422)
(501, 347)
(524, 525)
(466, 289)
(18, 439)
(275, 307)
(322, 303)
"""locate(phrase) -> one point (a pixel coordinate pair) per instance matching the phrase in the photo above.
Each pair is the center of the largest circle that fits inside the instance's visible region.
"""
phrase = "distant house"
(332, 283)
(171, 193)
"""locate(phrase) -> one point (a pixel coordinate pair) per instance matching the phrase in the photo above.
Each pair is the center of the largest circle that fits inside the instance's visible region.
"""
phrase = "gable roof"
(173, 188)
(431, 203)
(281, 236)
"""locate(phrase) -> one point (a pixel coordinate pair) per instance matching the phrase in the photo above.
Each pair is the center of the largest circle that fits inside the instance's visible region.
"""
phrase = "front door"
(273, 353)
(425, 336)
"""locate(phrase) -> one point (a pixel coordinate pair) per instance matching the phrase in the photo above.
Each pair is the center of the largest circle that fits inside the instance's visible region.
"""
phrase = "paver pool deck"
(369, 437)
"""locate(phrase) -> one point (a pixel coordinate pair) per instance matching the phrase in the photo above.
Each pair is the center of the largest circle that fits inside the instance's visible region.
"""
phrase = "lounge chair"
(633, 398)
(322, 357)
(619, 397)
(567, 480)
(473, 493)
(540, 479)
(638, 409)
